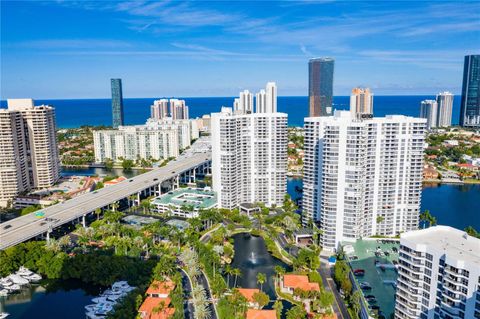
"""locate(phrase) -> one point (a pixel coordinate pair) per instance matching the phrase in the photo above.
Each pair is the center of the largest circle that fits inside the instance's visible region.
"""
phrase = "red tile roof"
(261, 314)
(147, 309)
(248, 293)
(161, 287)
(299, 281)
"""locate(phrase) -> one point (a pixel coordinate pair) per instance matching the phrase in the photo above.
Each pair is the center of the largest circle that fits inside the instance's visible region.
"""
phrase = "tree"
(356, 301)
(108, 163)
(127, 164)
(237, 273)
(261, 279)
(472, 232)
(296, 312)
(98, 211)
(427, 217)
(278, 306)
(279, 271)
(326, 299)
(261, 299)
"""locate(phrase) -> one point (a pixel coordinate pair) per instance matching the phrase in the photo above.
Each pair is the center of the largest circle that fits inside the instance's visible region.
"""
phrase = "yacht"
(28, 274)
(3, 292)
(4, 315)
(7, 284)
(18, 280)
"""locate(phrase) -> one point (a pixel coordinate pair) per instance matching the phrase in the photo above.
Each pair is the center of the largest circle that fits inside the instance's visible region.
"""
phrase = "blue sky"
(70, 49)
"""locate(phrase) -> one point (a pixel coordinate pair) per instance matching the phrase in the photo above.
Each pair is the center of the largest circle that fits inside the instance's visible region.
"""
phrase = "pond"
(53, 299)
(89, 171)
(252, 257)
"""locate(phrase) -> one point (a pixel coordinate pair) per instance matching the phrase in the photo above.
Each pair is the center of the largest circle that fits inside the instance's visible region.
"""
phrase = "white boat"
(92, 315)
(34, 278)
(28, 274)
(99, 299)
(9, 285)
(4, 315)
(3, 292)
(18, 280)
(114, 298)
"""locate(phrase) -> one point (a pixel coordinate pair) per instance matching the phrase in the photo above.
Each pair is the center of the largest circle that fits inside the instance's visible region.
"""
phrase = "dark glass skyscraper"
(470, 105)
(117, 103)
(320, 86)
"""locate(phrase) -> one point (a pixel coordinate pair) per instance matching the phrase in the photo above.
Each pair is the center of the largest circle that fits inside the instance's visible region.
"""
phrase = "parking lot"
(378, 260)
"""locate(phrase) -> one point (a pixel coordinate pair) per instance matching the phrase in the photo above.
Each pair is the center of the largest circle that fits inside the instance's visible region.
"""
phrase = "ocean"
(77, 112)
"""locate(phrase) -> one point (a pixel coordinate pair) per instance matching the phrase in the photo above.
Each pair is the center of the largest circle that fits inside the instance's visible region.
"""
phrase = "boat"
(3, 292)
(28, 274)
(4, 315)
(16, 279)
(375, 307)
(359, 272)
(99, 299)
(8, 284)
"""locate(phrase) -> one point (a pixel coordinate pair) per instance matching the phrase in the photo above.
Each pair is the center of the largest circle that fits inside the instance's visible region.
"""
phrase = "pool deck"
(379, 279)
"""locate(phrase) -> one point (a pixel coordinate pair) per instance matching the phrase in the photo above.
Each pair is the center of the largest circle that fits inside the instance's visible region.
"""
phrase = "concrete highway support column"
(83, 221)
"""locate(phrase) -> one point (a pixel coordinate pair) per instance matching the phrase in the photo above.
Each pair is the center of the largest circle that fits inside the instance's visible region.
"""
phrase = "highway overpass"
(29, 226)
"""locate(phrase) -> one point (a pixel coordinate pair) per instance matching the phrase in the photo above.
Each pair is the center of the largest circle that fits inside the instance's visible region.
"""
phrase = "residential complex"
(470, 103)
(444, 111)
(157, 139)
(429, 110)
(438, 274)
(320, 86)
(117, 103)
(29, 155)
(249, 154)
(174, 108)
(185, 202)
(362, 177)
(244, 103)
(361, 102)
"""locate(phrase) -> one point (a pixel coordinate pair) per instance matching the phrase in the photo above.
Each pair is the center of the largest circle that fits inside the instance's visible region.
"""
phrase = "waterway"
(57, 299)
(252, 257)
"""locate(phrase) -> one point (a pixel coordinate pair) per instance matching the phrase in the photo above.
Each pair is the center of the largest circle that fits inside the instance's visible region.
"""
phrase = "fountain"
(253, 259)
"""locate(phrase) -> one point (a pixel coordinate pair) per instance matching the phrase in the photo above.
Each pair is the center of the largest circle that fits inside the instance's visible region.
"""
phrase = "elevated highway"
(29, 226)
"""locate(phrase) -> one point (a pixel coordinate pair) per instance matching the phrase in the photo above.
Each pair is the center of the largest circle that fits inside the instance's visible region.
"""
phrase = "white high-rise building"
(28, 154)
(157, 139)
(267, 99)
(249, 156)
(362, 177)
(428, 110)
(178, 109)
(244, 103)
(361, 102)
(445, 105)
(159, 109)
(438, 275)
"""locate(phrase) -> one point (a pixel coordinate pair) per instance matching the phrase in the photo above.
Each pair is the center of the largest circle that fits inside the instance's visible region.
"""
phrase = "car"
(173, 172)
(7, 226)
(130, 180)
(155, 179)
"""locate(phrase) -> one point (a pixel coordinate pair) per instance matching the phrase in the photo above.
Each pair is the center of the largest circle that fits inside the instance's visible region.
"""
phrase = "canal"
(252, 257)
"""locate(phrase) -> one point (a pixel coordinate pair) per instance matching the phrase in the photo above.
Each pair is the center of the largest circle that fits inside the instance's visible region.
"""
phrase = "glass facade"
(117, 103)
(320, 86)
(470, 105)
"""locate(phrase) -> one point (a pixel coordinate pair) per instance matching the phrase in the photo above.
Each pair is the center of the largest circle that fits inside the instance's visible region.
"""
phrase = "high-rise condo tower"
(320, 86)
(470, 104)
(117, 103)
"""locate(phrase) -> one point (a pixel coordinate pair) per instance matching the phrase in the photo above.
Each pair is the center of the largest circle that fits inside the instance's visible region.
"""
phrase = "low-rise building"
(290, 282)
(429, 172)
(157, 304)
(185, 202)
(248, 293)
(261, 314)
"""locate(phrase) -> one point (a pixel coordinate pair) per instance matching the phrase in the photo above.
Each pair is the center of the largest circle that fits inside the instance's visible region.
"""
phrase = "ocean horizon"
(72, 113)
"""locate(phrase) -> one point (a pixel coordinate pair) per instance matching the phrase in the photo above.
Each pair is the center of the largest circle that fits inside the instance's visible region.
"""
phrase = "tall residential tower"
(28, 154)
(117, 103)
(470, 104)
(320, 86)
(438, 275)
(444, 111)
(361, 102)
(429, 110)
(249, 153)
(362, 177)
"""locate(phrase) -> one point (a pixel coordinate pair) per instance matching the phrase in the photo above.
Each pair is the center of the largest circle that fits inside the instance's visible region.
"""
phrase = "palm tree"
(98, 211)
(115, 206)
(261, 278)
(279, 271)
(427, 217)
(278, 306)
(356, 299)
(237, 273)
(228, 271)
(65, 241)
(132, 199)
(53, 245)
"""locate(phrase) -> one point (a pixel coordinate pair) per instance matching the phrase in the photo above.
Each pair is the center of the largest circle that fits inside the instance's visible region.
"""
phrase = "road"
(338, 304)
(187, 289)
(26, 227)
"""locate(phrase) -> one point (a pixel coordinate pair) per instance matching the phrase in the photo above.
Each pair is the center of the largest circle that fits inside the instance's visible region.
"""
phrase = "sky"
(71, 49)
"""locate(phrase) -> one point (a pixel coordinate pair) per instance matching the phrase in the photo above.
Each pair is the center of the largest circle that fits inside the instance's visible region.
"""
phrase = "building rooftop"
(456, 243)
(161, 287)
(196, 197)
(248, 293)
(148, 306)
(299, 281)
(261, 314)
